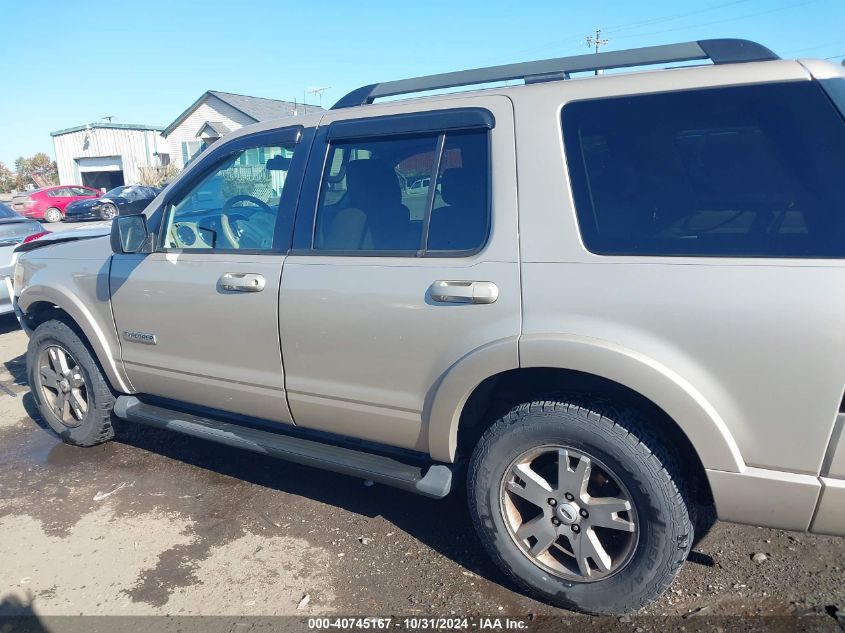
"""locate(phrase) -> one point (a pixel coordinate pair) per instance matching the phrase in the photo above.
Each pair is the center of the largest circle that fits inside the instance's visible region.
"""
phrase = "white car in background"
(13, 244)
(14, 229)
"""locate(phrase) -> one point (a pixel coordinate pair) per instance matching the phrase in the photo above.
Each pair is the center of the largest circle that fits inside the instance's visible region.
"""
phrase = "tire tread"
(98, 428)
(640, 440)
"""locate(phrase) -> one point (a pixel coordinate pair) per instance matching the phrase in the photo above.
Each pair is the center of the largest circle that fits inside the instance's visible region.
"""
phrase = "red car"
(48, 203)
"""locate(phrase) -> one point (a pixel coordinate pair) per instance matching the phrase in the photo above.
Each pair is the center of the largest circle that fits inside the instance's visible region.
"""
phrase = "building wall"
(212, 109)
(136, 148)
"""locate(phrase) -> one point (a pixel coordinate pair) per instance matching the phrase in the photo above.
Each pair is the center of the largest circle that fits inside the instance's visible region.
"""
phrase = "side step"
(428, 479)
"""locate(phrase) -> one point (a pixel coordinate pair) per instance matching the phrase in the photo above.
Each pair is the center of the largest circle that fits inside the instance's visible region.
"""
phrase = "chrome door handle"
(464, 292)
(242, 282)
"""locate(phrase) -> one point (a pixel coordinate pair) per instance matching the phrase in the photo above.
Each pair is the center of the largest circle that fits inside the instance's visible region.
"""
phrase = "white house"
(215, 114)
(107, 155)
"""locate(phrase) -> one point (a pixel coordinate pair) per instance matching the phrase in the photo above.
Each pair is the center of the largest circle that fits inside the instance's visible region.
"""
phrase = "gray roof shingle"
(256, 108)
(215, 126)
(262, 109)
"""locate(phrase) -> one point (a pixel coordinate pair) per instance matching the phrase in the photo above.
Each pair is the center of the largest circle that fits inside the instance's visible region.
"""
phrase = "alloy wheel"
(569, 514)
(108, 212)
(62, 384)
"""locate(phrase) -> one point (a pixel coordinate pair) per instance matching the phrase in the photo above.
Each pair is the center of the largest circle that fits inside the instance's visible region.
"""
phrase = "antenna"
(108, 118)
(317, 90)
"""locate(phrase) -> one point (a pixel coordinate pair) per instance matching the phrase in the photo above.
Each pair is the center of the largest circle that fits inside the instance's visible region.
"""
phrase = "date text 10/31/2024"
(420, 623)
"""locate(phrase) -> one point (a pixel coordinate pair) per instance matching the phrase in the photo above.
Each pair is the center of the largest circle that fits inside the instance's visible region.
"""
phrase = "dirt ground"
(156, 523)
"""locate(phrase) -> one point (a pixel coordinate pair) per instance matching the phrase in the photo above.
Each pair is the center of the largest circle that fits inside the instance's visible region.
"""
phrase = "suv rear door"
(198, 318)
(372, 315)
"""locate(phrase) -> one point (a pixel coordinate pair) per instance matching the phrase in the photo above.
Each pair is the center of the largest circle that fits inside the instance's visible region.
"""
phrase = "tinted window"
(743, 171)
(233, 207)
(81, 191)
(460, 218)
(377, 194)
(836, 89)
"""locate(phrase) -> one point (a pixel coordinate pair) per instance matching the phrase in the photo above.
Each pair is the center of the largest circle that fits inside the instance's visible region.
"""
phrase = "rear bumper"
(830, 515)
(780, 500)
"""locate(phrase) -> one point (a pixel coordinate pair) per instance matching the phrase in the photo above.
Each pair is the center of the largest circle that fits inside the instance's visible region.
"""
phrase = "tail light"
(34, 236)
(29, 203)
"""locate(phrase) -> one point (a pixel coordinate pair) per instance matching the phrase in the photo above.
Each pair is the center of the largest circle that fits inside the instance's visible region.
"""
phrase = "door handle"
(242, 282)
(464, 292)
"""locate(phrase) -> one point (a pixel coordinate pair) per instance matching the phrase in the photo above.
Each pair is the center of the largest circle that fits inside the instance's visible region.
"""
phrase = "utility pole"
(596, 42)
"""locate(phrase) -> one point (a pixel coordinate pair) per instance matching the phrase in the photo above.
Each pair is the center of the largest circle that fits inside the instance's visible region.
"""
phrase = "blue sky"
(69, 63)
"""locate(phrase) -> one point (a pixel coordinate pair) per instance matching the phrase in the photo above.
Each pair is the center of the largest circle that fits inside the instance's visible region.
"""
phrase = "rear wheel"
(69, 388)
(580, 505)
(53, 215)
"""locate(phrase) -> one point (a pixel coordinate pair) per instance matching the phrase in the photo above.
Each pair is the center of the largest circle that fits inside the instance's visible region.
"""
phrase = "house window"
(190, 150)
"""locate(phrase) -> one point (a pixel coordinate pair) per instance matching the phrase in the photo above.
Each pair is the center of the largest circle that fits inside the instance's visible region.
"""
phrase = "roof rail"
(721, 51)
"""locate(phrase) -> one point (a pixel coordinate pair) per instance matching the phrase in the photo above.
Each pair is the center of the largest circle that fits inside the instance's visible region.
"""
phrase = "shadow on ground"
(8, 322)
(226, 491)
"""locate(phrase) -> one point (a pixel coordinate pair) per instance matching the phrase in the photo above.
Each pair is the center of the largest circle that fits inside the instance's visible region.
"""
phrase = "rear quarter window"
(748, 171)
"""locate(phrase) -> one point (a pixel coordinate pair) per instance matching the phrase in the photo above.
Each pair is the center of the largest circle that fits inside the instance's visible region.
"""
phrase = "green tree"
(39, 170)
(7, 178)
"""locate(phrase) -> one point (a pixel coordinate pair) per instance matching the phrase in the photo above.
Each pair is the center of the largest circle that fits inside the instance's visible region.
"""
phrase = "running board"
(428, 479)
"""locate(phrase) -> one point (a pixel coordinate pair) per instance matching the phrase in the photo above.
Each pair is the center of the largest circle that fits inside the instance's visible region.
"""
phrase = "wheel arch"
(564, 362)
(42, 303)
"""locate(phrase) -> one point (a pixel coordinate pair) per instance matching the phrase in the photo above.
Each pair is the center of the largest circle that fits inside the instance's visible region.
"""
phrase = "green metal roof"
(109, 126)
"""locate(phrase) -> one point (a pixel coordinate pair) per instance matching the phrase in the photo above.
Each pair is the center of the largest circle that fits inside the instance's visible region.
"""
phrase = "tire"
(83, 382)
(643, 549)
(108, 212)
(53, 215)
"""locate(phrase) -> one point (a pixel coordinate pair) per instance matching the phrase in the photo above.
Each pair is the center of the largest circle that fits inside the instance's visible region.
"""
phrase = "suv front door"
(372, 314)
(198, 318)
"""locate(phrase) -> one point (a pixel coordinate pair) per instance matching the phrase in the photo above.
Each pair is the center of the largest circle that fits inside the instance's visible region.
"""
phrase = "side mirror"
(129, 234)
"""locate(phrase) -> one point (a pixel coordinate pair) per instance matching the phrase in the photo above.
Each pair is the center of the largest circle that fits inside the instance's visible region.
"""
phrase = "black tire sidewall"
(664, 528)
(97, 390)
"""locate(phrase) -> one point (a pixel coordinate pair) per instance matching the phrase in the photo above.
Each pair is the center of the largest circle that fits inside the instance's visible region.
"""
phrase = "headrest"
(457, 187)
(372, 181)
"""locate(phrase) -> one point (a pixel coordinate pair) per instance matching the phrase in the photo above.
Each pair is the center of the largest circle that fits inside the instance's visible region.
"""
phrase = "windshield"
(6, 212)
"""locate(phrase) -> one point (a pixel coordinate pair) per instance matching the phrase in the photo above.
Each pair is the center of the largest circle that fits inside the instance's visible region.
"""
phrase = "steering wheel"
(236, 232)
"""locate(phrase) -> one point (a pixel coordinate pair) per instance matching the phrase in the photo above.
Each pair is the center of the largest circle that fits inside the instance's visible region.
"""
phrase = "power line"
(669, 18)
(734, 19)
(573, 39)
(813, 48)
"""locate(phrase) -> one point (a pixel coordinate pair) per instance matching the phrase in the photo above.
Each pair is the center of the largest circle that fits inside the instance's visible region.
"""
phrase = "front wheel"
(53, 215)
(580, 505)
(68, 385)
(108, 211)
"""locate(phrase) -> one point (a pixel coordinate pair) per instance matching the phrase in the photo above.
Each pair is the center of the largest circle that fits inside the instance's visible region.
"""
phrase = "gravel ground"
(156, 523)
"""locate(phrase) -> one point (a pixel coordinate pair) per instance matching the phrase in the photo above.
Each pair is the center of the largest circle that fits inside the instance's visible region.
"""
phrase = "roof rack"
(721, 51)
